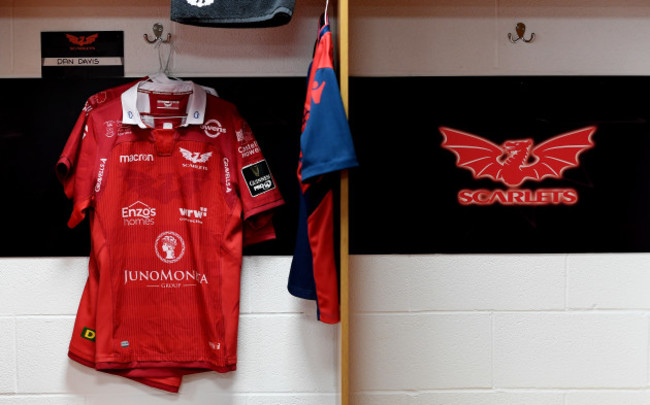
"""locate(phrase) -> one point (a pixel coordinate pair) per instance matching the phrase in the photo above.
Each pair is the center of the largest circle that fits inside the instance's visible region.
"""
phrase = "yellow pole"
(345, 259)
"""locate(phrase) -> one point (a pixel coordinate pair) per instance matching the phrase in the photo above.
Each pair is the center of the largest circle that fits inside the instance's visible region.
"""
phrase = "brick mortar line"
(585, 311)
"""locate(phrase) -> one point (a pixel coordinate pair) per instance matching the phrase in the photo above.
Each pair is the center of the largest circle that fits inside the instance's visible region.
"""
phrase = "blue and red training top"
(326, 148)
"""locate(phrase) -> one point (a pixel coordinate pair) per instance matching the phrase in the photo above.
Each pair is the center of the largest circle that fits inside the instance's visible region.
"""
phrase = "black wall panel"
(404, 195)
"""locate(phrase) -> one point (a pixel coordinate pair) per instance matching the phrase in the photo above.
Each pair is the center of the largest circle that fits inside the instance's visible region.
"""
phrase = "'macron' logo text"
(136, 157)
(517, 161)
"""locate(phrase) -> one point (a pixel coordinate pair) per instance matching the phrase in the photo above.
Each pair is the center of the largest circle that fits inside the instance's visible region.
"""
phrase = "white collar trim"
(133, 102)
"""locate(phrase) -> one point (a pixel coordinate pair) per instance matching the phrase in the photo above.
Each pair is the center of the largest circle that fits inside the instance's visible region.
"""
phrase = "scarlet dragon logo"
(82, 42)
(516, 161)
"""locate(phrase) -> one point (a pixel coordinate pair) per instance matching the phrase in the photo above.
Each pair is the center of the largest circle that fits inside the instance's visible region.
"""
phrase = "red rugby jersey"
(167, 208)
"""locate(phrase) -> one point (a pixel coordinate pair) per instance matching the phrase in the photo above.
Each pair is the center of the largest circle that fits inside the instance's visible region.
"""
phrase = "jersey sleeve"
(259, 228)
(326, 142)
(257, 187)
(81, 174)
(66, 164)
(75, 166)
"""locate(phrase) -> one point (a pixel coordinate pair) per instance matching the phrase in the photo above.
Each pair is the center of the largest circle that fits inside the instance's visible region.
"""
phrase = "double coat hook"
(157, 32)
(520, 29)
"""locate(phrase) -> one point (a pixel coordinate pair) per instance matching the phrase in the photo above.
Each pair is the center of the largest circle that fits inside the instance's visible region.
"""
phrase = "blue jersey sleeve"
(326, 142)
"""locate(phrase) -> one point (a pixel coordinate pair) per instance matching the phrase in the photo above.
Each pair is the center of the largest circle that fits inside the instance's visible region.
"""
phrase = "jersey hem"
(302, 293)
(331, 319)
(163, 368)
(81, 360)
(310, 295)
(259, 239)
(317, 170)
(263, 208)
(169, 388)
(142, 380)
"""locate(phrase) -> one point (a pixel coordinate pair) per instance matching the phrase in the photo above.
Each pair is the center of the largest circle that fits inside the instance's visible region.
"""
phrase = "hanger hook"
(157, 32)
(164, 68)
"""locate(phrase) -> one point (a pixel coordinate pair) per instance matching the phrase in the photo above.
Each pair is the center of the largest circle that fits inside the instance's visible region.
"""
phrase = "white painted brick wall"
(37, 286)
(603, 282)
(42, 400)
(414, 353)
(41, 367)
(7, 355)
(608, 398)
(426, 329)
(421, 351)
(570, 350)
(492, 398)
(420, 283)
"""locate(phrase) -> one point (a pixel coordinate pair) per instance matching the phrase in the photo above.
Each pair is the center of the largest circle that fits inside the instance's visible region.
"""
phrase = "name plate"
(70, 54)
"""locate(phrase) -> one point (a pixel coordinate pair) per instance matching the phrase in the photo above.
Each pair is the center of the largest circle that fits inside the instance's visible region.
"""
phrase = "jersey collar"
(133, 103)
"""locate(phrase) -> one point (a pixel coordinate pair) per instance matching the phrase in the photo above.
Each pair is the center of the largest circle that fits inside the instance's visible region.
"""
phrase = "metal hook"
(521, 30)
(157, 32)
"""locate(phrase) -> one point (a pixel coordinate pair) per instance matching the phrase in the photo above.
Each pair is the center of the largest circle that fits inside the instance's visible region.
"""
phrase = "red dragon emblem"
(515, 161)
(82, 40)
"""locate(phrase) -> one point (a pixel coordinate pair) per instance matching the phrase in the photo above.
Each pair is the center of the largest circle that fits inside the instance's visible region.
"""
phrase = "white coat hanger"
(164, 69)
(163, 78)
